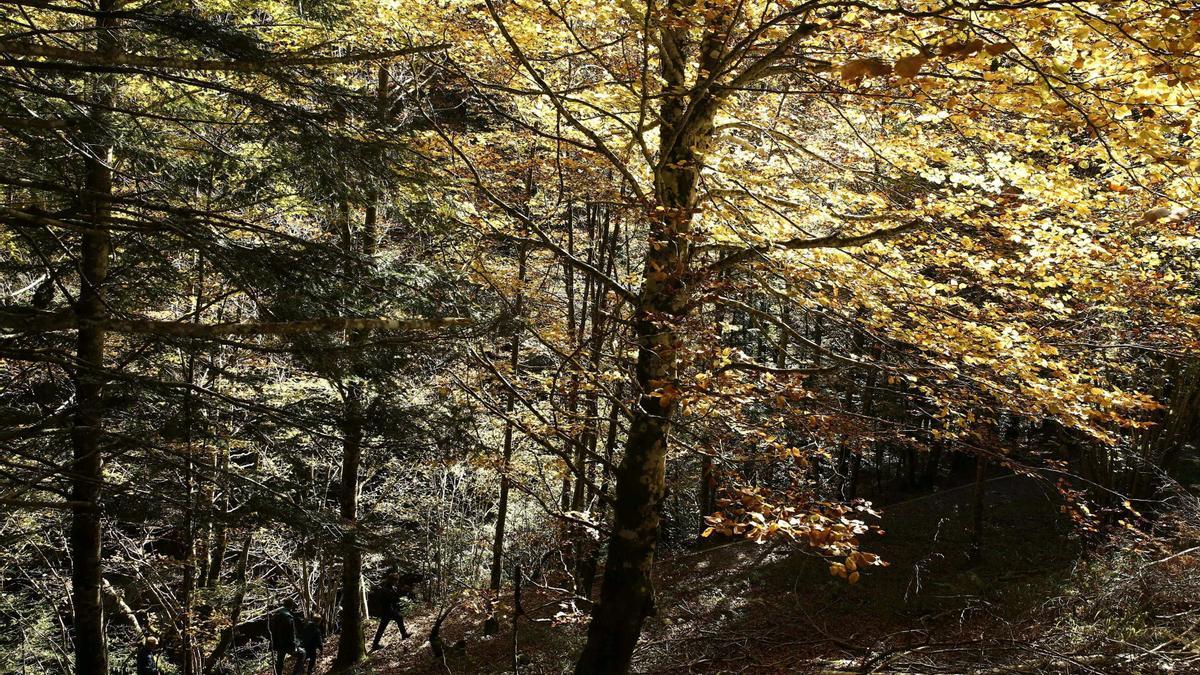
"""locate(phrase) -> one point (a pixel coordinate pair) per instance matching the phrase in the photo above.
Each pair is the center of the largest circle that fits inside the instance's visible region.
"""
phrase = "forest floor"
(743, 607)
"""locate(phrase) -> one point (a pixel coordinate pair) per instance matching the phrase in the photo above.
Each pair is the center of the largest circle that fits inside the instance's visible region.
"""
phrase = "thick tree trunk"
(91, 649)
(91, 654)
(352, 645)
(627, 593)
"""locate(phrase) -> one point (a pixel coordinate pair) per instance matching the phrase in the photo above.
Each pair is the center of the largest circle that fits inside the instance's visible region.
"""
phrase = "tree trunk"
(91, 649)
(352, 645)
(626, 597)
(976, 552)
(510, 404)
(241, 579)
(627, 594)
(370, 232)
(932, 464)
(708, 484)
(221, 530)
(850, 489)
(591, 324)
(191, 654)
(610, 445)
(572, 451)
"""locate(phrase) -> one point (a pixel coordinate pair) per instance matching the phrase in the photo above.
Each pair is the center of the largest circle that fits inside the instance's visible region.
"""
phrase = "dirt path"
(745, 607)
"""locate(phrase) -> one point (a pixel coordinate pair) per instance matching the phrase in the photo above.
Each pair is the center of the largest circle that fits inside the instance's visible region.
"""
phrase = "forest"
(599, 336)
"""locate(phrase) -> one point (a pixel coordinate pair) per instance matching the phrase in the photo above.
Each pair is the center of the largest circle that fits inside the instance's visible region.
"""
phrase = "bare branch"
(27, 321)
(801, 243)
(21, 48)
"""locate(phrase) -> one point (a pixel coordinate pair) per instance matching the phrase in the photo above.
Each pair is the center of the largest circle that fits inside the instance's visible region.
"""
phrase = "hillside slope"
(745, 607)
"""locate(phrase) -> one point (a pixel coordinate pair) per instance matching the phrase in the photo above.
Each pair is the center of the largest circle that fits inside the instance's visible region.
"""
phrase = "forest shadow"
(747, 607)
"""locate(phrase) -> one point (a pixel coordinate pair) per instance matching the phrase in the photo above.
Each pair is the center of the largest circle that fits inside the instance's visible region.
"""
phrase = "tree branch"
(30, 321)
(21, 48)
(743, 254)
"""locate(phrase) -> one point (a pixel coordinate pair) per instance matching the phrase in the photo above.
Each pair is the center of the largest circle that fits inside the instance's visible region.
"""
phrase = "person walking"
(285, 637)
(391, 601)
(312, 640)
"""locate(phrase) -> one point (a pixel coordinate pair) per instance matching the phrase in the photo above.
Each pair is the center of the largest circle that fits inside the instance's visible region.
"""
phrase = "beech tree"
(885, 163)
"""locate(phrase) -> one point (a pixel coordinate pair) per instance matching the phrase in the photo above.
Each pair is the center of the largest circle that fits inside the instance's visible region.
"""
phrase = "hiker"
(391, 603)
(312, 640)
(284, 637)
(147, 660)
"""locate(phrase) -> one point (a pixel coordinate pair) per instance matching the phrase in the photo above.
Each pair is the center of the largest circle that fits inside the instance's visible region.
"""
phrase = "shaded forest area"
(599, 336)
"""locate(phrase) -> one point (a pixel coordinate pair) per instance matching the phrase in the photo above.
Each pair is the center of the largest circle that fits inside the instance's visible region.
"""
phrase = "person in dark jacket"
(312, 639)
(147, 659)
(285, 637)
(391, 602)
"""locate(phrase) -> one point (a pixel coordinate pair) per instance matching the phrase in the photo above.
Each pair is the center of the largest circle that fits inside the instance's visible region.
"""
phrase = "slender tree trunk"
(845, 450)
(497, 567)
(91, 649)
(610, 446)
(601, 226)
(191, 654)
(371, 218)
(352, 646)
(518, 612)
(572, 449)
(497, 570)
(220, 530)
(708, 484)
(85, 540)
(932, 464)
(590, 316)
(975, 554)
(850, 490)
(785, 340)
(205, 536)
(708, 477)
(241, 579)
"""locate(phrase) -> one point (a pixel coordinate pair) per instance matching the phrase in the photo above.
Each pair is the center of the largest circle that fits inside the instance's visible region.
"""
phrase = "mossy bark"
(686, 131)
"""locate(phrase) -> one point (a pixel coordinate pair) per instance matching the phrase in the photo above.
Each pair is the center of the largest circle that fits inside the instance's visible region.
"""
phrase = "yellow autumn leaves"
(908, 67)
(848, 569)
